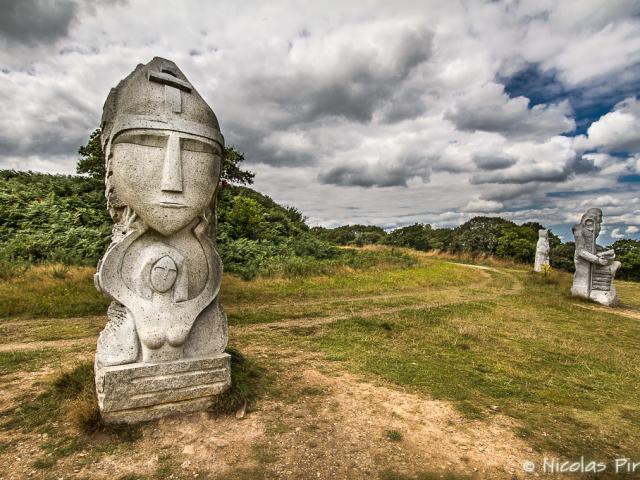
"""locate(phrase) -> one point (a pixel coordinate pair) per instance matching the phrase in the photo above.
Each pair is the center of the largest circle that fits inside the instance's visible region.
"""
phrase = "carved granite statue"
(162, 351)
(595, 270)
(542, 250)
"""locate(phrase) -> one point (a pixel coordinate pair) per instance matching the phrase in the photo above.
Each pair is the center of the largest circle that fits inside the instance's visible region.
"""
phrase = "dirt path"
(324, 424)
(49, 344)
(624, 312)
(516, 286)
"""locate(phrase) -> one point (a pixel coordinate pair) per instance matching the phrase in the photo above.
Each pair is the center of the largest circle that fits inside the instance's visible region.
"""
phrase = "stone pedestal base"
(138, 392)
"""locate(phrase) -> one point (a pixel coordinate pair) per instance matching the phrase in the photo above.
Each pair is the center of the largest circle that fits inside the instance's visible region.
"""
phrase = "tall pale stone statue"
(162, 351)
(542, 250)
(595, 270)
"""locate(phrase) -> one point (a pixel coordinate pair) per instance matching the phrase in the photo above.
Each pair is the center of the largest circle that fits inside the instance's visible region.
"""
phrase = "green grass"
(393, 435)
(26, 360)
(42, 291)
(60, 291)
(565, 372)
(27, 330)
(263, 300)
(60, 398)
(629, 294)
(248, 382)
(69, 399)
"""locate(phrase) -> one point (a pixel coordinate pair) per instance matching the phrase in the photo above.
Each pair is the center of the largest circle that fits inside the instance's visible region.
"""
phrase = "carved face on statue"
(592, 221)
(163, 274)
(163, 148)
(167, 178)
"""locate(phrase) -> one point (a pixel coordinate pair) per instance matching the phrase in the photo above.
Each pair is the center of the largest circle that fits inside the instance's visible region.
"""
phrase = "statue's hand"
(604, 261)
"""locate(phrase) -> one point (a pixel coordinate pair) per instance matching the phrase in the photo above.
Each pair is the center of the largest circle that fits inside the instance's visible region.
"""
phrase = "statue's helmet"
(157, 96)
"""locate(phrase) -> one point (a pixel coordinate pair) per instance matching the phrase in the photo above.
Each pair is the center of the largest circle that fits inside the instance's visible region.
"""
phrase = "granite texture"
(595, 269)
(163, 151)
(146, 391)
(542, 251)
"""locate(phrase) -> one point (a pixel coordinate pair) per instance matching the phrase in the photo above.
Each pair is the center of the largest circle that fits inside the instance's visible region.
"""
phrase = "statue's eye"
(197, 146)
(158, 141)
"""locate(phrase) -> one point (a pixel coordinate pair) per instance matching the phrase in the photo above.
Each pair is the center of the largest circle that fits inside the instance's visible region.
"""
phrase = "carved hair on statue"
(147, 259)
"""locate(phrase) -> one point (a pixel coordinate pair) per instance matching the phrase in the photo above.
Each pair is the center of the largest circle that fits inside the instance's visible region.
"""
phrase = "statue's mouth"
(172, 205)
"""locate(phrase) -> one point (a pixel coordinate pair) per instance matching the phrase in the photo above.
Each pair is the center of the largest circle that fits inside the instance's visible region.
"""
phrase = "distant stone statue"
(162, 351)
(595, 270)
(542, 251)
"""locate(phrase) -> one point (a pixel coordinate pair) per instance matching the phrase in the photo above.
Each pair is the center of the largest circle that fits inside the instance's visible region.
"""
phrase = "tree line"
(63, 218)
(493, 236)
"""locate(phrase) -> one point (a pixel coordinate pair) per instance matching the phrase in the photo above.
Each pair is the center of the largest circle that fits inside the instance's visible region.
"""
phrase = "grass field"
(516, 368)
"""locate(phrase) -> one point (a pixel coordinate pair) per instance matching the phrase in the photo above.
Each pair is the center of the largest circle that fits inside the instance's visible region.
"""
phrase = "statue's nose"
(172, 167)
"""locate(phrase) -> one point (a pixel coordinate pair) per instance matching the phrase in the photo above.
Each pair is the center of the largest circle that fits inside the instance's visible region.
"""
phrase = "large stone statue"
(542, 251)
(162, 351)
(595, 270)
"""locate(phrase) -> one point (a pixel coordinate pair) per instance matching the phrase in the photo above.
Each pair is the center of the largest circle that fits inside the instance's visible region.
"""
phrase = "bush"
(351, 234)
(628, 252)
(561, 256)
(416, 236)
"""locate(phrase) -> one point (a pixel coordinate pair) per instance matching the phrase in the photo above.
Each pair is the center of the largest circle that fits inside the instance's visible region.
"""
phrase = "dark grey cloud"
(251, 141)
(354, 176)
(404, 104)
(512, 192)
(48, 142)
(32, 22)
(521, 175)
(362, 83)
(382, 174)
(523, 122)
(494, 162)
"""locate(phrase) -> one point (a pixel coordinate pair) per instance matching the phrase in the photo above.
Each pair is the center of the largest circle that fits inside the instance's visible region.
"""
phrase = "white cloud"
(489, 108)
(615, 234)
(603, 201)
(484, 206)
(631, 229)
(375, 113)
(618, 129)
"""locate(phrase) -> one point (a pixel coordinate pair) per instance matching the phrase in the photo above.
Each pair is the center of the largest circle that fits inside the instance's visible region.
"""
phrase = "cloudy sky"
(372, 112)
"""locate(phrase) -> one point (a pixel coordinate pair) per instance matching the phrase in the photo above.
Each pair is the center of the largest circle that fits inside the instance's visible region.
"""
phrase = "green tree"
(561, 256)
(480, 235)
(628, 252)
(92, 163)
(516, 244)
(416, 236)
(351, 234)
(231, 171)
(91, 160)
